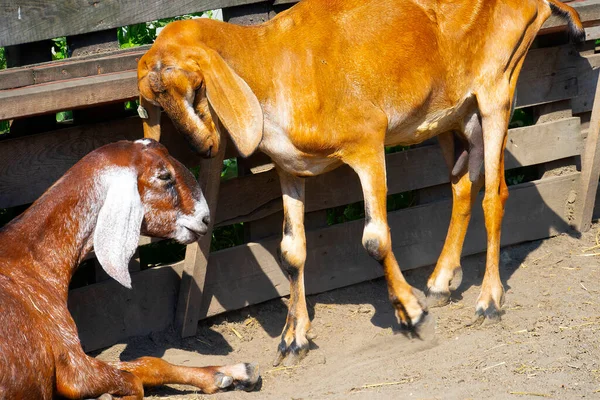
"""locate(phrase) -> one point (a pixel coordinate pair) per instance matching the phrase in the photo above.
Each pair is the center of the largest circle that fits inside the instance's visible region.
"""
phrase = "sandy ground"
(547, 344)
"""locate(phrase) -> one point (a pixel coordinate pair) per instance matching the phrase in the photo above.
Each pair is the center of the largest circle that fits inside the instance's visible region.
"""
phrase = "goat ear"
(234, 103)
(118, 227)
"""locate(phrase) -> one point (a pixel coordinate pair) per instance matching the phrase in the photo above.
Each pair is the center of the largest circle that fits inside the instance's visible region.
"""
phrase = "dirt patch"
(547, 344)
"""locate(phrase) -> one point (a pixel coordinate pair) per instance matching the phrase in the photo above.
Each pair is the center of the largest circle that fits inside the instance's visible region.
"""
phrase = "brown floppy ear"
(234, 102)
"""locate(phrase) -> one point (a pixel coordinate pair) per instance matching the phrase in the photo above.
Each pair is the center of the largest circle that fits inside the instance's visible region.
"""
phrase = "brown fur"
(40, 353)
(336, 81)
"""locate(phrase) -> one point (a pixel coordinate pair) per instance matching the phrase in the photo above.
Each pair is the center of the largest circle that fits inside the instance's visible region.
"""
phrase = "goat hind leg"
(294, 341)
(495, 126)
(447, 275)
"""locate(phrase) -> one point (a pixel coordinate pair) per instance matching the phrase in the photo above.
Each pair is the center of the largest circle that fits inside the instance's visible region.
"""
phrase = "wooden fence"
(557, 86)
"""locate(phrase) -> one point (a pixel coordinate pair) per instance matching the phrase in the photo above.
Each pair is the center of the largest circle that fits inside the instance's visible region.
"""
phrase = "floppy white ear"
(118, 227)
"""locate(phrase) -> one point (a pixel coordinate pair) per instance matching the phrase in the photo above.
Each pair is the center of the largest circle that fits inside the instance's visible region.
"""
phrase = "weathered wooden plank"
(45, 19)
(75, 67)
(106, 312)
(250, 274)
(408, 170)
(548, 75)
(197, 254)
(29, 165)
(93, 43)
(96, 43)
(26, 54)
(587, 80)
(17, 77)
(590, 171)
(68, 95)
(558, 139)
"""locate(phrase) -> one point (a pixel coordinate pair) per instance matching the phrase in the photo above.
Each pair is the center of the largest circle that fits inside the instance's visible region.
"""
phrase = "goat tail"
(567, 12)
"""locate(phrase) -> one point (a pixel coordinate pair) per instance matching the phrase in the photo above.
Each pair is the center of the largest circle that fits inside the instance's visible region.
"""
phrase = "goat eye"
(165, 176)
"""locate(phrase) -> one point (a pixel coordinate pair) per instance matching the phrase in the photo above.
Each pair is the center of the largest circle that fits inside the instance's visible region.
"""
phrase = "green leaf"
(2, 58)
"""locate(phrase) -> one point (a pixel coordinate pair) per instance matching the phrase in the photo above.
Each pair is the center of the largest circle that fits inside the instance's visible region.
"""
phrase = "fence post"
(196, 255)
(590, 170)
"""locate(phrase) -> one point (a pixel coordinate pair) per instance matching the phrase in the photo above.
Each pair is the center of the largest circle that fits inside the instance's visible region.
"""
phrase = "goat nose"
(206, 219)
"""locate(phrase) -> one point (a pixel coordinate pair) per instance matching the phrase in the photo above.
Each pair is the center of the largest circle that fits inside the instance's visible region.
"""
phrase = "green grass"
(2, 58)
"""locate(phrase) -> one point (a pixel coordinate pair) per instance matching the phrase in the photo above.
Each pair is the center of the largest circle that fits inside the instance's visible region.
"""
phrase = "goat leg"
(447, 275)
(495, 118)
(294, 340)
(154, 371)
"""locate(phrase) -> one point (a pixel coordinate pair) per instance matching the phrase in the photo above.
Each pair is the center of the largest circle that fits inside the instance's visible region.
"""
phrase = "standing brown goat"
(104, 201)
(333, 82)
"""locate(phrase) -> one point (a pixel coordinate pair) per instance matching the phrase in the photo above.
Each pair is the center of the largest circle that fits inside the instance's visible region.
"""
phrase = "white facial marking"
(145, 142)
(189, 226)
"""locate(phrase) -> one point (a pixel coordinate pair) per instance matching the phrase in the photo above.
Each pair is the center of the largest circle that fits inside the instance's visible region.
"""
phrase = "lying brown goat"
(104, 201)
(331, 82)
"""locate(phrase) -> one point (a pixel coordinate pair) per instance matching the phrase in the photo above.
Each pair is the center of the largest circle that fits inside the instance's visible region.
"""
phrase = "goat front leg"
(294, 342)
(377, 239)
(447, 275)
(152, 371)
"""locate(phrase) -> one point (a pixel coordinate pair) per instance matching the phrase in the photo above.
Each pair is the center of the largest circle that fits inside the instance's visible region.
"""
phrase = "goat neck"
(54, 235)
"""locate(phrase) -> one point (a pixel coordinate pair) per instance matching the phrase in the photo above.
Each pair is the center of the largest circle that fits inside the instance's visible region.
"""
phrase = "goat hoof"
(488, 308)
(437, 299)
(442, 285)
(223, 381)
(290, 355)
(252, 379)
(424, 329)
(239, 377)
(489, 316)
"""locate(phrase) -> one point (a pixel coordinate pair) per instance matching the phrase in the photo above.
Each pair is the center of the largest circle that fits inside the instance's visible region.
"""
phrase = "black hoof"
(423, 329)
(489, 316)
(292, 354)
(253, 378)
(247, 383)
